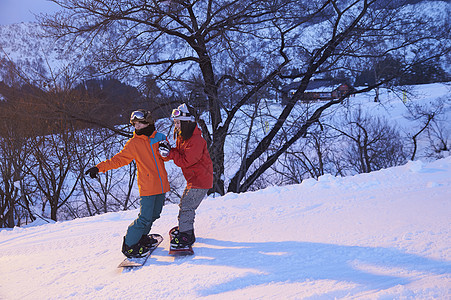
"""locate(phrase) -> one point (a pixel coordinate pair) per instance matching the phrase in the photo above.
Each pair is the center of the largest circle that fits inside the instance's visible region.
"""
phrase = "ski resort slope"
(382, 235)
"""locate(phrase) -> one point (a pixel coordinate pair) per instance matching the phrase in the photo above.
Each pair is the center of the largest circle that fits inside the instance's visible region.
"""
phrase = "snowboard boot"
(174, 231)
(182, 240)
(134, 251)
(147, 241)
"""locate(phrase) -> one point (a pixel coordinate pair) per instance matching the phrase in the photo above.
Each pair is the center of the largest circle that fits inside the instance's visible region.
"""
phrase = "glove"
(164, 148)
(92, 172)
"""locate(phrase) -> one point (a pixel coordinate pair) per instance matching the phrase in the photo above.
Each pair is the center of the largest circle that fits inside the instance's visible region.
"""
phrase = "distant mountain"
(39, 56)
(36, 55)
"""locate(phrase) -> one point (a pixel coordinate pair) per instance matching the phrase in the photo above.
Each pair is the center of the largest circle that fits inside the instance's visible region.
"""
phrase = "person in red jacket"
(191, 155)
(152, 180)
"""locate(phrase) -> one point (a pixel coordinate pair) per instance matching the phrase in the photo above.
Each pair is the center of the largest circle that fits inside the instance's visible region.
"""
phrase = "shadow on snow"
(275, 262)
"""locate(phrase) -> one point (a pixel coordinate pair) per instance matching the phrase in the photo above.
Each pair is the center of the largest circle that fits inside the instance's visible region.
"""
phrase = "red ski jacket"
(192, 157)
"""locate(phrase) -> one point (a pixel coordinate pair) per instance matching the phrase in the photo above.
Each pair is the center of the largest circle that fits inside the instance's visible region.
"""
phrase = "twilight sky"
(17, 11)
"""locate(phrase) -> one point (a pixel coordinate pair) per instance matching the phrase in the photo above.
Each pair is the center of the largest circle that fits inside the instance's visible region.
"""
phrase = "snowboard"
(140, 261)
(178, 251)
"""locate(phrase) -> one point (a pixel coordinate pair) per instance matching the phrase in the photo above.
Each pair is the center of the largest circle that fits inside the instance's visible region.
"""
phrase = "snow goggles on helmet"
(180, 115)
(138, 116)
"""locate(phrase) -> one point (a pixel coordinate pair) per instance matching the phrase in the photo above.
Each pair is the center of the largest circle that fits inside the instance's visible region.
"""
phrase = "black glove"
(92, 172)
(164, 148)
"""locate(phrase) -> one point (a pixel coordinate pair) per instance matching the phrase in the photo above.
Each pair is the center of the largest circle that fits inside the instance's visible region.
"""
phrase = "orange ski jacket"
(152, 175)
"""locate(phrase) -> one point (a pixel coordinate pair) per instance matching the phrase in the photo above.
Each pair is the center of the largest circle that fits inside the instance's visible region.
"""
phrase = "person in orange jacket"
(152, 180)
(191, 155)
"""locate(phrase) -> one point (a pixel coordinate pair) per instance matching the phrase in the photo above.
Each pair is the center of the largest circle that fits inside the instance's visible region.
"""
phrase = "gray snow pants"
(189, 202)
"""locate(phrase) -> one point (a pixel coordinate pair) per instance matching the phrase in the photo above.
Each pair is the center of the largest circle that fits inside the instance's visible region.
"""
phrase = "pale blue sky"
(17, 11)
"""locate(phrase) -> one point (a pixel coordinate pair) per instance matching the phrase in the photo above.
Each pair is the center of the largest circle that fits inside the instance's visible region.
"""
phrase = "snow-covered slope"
(382, 235)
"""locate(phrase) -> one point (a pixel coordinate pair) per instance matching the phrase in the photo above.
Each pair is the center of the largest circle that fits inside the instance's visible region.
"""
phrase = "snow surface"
(382, 235)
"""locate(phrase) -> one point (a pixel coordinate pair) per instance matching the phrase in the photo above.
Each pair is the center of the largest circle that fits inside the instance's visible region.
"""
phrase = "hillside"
(39, 56)
(381, 235)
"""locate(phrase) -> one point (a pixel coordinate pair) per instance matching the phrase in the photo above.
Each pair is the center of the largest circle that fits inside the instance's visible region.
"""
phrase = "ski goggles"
(137, 116)
(177, 114)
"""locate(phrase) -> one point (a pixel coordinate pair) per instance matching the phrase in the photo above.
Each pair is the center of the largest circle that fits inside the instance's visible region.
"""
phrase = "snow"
(381, 235)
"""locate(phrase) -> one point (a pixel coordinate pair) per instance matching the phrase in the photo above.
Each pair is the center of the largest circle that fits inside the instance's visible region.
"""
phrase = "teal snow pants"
(151, 207)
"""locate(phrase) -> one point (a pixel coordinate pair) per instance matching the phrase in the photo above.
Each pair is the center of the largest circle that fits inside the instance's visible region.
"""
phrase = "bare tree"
(439, 139)
(428, 117)
(45, 145)
(347, 47)
(309, 160)
(54, 159)
(114, 190)
(16, 117)
(200, 29)
(176, 40)
(14, 205)
(372, 143)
